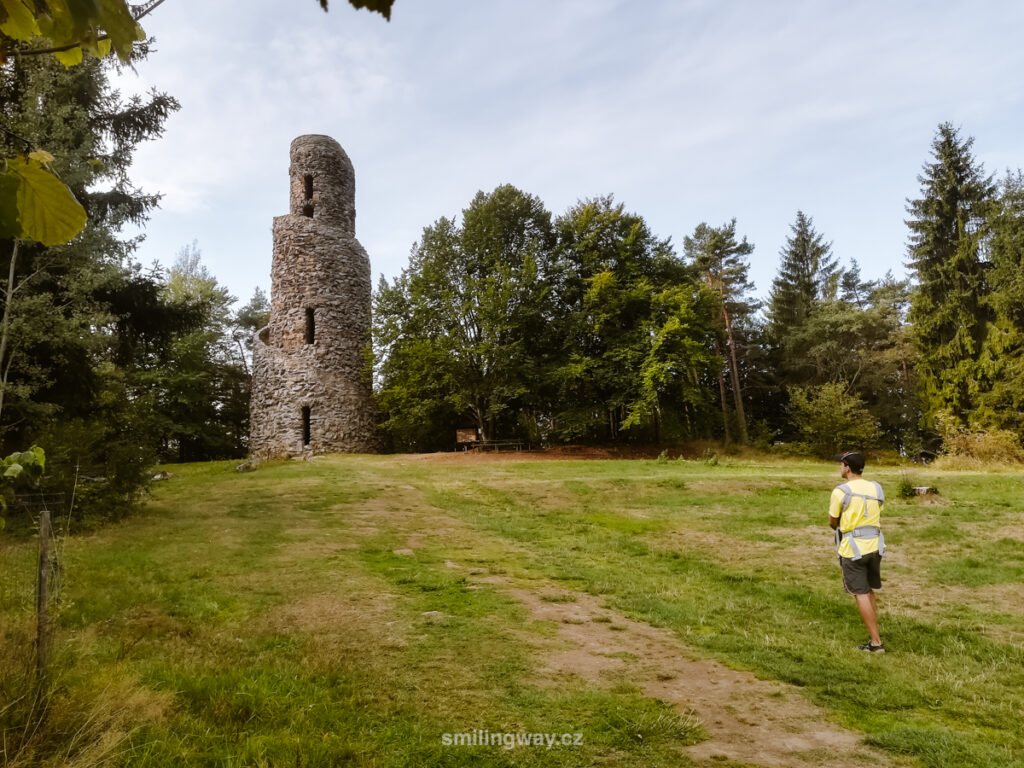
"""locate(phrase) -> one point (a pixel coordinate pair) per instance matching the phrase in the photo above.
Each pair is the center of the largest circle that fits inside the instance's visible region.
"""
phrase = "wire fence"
(34, 503)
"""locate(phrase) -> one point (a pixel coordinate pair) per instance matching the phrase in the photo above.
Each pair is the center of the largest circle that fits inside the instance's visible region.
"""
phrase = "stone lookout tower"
(310, 387)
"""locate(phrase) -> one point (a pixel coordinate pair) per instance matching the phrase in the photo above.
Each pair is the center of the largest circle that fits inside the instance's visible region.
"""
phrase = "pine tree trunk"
(692, 424)
(737, 393)
(721, 391)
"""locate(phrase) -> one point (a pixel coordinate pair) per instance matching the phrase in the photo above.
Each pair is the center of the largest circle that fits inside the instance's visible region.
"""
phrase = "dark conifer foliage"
(852, 288)
(87, 325)
(948, 309)
(1000, 401)
(807, 275)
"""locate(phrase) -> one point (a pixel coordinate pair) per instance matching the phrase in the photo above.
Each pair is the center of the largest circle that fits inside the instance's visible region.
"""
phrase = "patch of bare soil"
(802, 550)
(308, 543)
(328, 613)
(490, 457)
(911, 593)
(734, 487)
(748, 720)
(338, 625)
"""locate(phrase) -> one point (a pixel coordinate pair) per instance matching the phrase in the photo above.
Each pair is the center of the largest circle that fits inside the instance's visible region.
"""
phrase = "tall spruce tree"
(1000, 403)
(807, 273)
(807, 276)
(948, 307)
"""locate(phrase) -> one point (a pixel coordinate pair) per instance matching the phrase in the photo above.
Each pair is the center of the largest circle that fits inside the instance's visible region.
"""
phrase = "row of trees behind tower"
(586, 327)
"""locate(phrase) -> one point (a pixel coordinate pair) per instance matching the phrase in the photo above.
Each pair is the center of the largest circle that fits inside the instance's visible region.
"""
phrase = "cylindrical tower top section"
(323, 182)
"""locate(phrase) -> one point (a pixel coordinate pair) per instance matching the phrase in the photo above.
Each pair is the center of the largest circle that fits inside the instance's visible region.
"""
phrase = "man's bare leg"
(869, 615)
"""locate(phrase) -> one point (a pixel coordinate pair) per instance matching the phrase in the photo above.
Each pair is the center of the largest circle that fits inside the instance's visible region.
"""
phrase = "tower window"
(307, 208)
(310, 326)
(306, 415)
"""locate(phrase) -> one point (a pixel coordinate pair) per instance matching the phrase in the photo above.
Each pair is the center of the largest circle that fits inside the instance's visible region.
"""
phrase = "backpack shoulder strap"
(847, 495)
(880, 493)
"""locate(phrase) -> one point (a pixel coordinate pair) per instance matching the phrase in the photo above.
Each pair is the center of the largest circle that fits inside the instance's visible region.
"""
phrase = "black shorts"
(862, 576)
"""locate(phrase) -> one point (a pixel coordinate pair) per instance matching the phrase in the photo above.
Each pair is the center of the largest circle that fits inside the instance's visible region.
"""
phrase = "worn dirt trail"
(748, 720)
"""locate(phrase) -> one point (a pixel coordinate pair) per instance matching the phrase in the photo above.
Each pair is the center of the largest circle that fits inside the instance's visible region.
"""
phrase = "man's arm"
(835, 508)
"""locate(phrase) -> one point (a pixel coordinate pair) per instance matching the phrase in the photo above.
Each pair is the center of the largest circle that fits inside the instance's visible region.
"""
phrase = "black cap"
(852, 459)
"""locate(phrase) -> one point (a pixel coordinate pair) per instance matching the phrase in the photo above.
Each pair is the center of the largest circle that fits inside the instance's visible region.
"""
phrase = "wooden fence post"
(42, 594)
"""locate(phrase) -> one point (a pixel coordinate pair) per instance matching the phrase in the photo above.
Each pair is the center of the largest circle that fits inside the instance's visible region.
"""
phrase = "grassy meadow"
(352, 610)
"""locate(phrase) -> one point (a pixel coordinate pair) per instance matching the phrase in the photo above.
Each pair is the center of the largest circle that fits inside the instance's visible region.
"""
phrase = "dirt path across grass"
(749, 722)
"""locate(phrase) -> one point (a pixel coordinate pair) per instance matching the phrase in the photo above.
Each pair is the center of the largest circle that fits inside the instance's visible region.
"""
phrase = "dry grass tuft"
(72, 728)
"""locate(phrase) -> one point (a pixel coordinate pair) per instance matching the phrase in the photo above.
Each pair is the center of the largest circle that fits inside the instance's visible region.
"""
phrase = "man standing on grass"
(855, 513)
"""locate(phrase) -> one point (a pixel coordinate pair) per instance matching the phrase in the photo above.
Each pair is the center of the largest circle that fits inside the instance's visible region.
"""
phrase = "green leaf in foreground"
(73, 23)
(116, 18)
(46, 209)
(69, 58)
(17, 19)
(26, 465)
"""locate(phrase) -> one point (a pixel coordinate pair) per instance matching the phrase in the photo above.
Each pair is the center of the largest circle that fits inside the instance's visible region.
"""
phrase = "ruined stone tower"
(310, 389)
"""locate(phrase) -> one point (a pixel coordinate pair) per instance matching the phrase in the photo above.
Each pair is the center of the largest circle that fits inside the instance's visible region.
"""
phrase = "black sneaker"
(871, 647)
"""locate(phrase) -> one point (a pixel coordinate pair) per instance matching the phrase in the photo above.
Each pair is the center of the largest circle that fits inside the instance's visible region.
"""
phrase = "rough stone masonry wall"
(318, 265)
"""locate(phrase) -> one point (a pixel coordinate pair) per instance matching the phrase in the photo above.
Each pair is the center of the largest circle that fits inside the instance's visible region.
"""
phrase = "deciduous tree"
(473, 300)
(830, 418)
(610, 267)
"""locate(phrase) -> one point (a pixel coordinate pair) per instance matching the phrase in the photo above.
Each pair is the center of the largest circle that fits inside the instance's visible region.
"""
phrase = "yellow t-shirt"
(855, 515)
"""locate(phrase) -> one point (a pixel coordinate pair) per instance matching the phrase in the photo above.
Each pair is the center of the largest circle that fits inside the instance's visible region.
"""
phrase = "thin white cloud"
(687, 111)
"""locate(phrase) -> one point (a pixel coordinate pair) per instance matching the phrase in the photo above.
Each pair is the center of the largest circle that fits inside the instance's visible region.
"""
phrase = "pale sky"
(685, 110)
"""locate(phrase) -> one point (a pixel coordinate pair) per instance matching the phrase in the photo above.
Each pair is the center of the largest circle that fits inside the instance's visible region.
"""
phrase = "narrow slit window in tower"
(310, 326)
(305, 425)
(307, 208)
